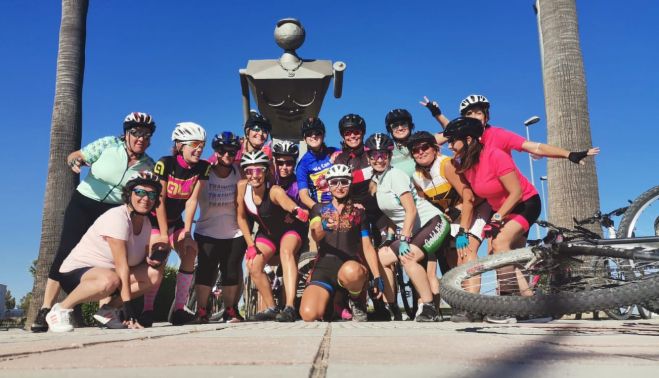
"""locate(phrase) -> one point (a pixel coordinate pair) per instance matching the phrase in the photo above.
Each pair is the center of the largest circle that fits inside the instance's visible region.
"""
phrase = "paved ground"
(562, 348)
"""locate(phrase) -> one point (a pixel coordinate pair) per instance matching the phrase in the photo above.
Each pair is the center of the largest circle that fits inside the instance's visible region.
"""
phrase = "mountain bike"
(555, 276)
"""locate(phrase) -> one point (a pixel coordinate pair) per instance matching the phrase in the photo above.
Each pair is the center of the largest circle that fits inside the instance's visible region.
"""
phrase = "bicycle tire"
(629, 221)
(250, 298)
(553, 304)
(643, 312)
(612, 268)
(305, 265)
(408, 294)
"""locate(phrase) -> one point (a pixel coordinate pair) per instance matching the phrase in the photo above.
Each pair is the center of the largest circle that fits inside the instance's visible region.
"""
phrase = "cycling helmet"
(285, 148)
(421, 137)
(398, 115)
(338, 171)
(254, 158)
(185, 131)
(146, 178)
(473, 100)
(312, 123)
(257, 120)
(350, 121)
(463, 127)
(136, 119)
(226, 139)
(379, 142)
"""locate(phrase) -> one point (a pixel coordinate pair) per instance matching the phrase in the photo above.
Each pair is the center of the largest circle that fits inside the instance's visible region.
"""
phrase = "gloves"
(577, 157)
(387, 242)
(378, 283)
(129, 312)
(325, 225)
(300, 214)
(251, 252)
(434, 108)
(403, 248)
(491, 230)
(461, 239)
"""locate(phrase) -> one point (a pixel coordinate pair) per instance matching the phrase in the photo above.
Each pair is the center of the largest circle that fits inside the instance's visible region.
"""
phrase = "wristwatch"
(497, 217)
(404, 238)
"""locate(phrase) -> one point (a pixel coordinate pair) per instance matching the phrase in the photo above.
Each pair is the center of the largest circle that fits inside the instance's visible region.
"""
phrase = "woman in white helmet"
(182, 174)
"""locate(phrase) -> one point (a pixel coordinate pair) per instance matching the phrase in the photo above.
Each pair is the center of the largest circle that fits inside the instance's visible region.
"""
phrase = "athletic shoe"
(286, 315)
(40, 324)
(545, 319)
(109, 317)
(498, 319)
(200, 318)
(380, 312)
(59, 320)
(146, 319)
(394, 311)
(428, 313)
(180, 317)
(346, 314)
(265, 315)
(358, 309)
(232, 315)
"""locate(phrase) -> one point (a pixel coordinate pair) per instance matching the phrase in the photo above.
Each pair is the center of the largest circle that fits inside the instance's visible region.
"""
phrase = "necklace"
(290, 71)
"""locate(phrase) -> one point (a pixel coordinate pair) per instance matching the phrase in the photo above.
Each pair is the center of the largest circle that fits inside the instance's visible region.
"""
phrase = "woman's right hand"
(75, 164)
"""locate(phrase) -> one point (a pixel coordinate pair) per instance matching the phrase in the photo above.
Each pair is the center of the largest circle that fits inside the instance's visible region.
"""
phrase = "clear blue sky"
(179, 61)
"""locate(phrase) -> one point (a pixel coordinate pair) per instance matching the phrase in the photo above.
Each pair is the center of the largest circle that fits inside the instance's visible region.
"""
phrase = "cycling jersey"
(289, 184)
(274, 222)
(352, 225)
(217, 207)
(357, 160)
(109, 170)
(432, 181)
(401, 158)
(181, 179)
(502, 139)
(311, 171)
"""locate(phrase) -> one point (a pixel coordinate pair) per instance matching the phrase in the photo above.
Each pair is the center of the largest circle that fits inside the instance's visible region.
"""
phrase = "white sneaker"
(58, 319)
(496, 319)
(109, 316)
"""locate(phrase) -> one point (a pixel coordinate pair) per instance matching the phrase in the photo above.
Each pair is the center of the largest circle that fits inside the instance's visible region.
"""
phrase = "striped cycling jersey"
(433, 183)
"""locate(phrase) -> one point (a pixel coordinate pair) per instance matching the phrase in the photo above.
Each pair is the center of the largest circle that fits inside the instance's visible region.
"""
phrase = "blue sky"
(179, 61)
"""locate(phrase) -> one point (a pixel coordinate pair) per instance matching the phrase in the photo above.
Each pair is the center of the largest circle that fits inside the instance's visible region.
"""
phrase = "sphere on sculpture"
(289, 34)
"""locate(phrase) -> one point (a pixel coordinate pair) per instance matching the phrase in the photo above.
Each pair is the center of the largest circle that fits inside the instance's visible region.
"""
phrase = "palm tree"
(573, 190)
(65, 135)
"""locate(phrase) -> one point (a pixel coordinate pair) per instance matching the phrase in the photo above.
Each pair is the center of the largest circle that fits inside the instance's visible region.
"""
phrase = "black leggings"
(227, 253)
(80, 214)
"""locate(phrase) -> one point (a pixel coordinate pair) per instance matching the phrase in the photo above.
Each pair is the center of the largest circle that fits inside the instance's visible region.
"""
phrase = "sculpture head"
(289, 34)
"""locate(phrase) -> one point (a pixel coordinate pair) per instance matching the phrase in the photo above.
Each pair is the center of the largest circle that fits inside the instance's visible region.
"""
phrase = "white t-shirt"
(93, 249)
(217, 207)
(391, 185)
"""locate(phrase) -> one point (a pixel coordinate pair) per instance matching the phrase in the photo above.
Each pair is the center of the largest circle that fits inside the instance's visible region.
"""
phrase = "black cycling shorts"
(70, 280)
(525, 213)
(326, 272)
(227, 254)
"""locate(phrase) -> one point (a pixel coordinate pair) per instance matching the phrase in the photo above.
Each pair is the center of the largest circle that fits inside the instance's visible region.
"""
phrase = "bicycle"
(553, 277)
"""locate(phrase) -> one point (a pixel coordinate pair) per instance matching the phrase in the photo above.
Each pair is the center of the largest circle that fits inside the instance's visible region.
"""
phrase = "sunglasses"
(285, 163)
(254, 171)
(230, 152)
(195, 144)
(313, 133)
(399, 125)
(139, 133)
(420, 148)
(258, 129)
(141, 193)
(351, 132)
(338, 182)
(376, 155)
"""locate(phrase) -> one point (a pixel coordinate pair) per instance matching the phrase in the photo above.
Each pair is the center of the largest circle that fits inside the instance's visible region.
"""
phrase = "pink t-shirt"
(484, 177)
(502, 139)
(94, 251)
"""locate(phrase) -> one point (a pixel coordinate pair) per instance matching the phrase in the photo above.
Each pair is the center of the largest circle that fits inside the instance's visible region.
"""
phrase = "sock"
(201, 311)
(150, 298)
(183, 282)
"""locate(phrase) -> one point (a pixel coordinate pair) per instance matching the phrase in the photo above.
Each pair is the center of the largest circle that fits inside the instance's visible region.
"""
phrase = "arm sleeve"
(114, 224)
(364, 224)
(161, 168)
(93, 150)
(205, 170)
(511, 140)
(400, 182)
(502, 163)
(314, 214)
(301, 174)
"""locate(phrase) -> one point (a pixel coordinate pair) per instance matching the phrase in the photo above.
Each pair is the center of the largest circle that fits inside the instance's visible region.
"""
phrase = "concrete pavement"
(562, 348)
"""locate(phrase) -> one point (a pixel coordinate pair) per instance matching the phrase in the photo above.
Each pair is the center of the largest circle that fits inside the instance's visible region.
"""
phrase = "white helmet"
(472, 100)
(185, 131)
(338, 171)
(254, 158)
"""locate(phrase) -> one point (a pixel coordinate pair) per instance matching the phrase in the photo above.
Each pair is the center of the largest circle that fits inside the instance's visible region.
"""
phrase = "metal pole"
(530, 158)
(544, 202)
(527, 123)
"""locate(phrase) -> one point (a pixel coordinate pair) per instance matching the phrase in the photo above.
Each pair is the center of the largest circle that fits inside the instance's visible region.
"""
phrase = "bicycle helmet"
(474, 100)
(421, 137)
(379, 142)
(254, 158)
(338, 171)
(462, 127)
(137, 119)
(285, 148)
(312, 123)
(257, 120)
(146, 178)
(185, 131)
(350, 121)
(398, 115)
(226, 139)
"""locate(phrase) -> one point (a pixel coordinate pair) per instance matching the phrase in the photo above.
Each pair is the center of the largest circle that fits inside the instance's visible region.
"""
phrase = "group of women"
(388, 199)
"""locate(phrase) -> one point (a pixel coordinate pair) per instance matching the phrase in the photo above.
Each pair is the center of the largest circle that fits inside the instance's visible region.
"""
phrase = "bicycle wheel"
(250, 298)
(642, 216)
(305, 265)
(615, 269)
(408, 294)
(554, 286)
(643, 312)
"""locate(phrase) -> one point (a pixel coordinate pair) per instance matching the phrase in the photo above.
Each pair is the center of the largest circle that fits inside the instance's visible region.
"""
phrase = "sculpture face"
(289, 34)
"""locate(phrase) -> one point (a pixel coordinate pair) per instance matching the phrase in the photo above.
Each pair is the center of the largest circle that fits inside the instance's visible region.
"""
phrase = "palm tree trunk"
(65, 135)
(573, 190)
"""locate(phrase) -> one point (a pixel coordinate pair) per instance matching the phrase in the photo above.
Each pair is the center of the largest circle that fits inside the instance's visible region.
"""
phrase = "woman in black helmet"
(400, 126)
